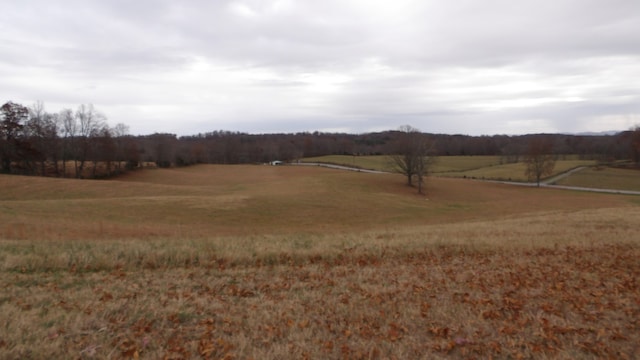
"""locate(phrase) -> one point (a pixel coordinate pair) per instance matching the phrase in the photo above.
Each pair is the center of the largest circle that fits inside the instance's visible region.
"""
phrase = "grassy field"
(479, 167)
(605, 178)
(271, 262)
(383, 163)
(371, 162)
(516, 171)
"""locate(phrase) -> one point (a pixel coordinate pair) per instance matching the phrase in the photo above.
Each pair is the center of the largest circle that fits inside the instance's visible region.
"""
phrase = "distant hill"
(601, 133)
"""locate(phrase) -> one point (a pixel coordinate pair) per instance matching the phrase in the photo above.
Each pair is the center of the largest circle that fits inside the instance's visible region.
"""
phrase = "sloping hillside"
(213, 200)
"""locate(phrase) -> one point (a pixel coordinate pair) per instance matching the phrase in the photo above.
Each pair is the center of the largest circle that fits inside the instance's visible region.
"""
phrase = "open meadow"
(272, 262)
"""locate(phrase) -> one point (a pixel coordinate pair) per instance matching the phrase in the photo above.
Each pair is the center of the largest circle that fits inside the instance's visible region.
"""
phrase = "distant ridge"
(592, 133)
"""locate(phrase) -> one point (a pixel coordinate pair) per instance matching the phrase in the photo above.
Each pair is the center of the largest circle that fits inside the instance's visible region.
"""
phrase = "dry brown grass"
(475, 271)
(206, 201)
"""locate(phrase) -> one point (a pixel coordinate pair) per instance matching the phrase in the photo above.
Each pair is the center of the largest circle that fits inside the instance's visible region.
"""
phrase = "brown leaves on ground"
(566, 302)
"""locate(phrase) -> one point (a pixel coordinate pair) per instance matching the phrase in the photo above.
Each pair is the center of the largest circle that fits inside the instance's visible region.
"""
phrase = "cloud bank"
(491, 67)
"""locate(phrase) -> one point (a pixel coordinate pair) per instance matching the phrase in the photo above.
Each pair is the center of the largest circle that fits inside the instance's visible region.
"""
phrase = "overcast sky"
(262, 66)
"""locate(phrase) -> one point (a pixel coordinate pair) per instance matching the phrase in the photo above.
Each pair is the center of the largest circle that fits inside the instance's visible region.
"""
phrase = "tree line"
(80, 143)
(36, 142)
(224, 147)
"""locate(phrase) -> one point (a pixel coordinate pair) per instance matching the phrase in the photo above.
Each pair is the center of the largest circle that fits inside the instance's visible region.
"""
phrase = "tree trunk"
(6, 166)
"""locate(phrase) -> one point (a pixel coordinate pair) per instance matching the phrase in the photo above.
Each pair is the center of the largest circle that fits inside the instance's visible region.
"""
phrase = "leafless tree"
(42, 132)
(539, 159)
(412, 155)
(161, 149)
(424, 163)
(120, 132)
(635, 144)
(89, 123)
(12, 121)
(69, 129)
(103, 150)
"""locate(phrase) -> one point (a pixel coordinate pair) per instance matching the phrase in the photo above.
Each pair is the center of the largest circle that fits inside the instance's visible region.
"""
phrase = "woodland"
(82, 144)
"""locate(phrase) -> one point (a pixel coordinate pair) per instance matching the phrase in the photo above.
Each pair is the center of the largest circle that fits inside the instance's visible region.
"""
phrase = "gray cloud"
(473, 67)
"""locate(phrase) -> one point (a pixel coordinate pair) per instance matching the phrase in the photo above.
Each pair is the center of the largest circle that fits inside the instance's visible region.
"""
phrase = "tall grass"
(545, 229)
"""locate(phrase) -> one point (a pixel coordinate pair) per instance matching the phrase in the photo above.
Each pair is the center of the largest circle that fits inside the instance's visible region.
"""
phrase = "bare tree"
(12, 120)
(89, 123)
(635, 144)
(539, 159)
(119, 132)
(161, 149)
(411, 155)
(69, 132)
(42, 131)
(132, 151)
(424, 162)
(103, 149)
